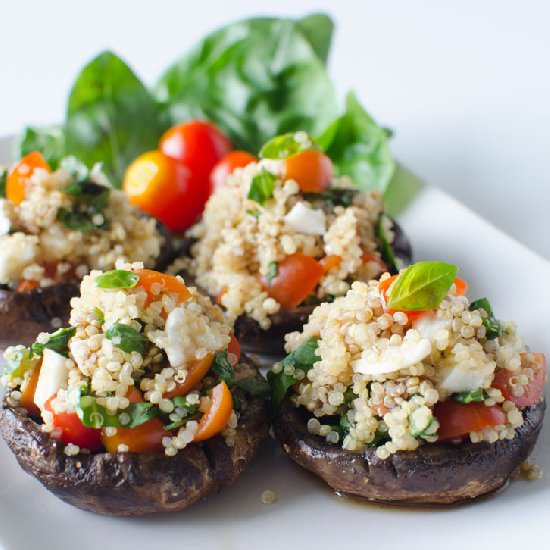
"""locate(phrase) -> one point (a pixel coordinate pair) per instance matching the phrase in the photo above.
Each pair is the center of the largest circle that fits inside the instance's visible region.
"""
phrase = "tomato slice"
(311, 169)
(166, 283)
(222, 170)
(461, 287)
(20, 173)
(533, 391)
(27, 397)
(26, 285)
(330, 262)
(296, 279)
(197, 371)
(457, 420)
(215, 419)
(234, 349)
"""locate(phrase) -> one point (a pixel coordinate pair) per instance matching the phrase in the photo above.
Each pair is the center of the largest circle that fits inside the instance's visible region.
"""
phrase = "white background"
(465, 84)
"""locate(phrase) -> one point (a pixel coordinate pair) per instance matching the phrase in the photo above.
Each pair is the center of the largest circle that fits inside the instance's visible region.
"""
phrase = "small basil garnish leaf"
(222, 368)
(384, 246)
(286, 145)
(49, 141)
(470, 396)
(58, 342)
(261, 188)
(78, 220)
(333, 196)
(3, 179)
(256, 386)
(117, 278)
(76, 168)
(422, 286)
(126, 338)
(272, 270)
(493, 327)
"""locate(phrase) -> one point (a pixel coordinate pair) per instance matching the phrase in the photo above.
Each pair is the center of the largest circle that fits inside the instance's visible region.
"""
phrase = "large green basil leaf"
(111, 117)
(255, 79)
(49, 141)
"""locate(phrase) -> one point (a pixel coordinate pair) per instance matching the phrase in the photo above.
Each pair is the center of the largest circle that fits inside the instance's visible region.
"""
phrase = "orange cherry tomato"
(215, 419)
(197, 144)
(296, 278)
(461, 286)
(166, 283)
(533, 391)
(27, 397)
(234, 349)
(166, 189)
(20, 173)
(311, 169)
(330, 262)
(458, 419)
(197, 371)
(26, 286)
(224, 167)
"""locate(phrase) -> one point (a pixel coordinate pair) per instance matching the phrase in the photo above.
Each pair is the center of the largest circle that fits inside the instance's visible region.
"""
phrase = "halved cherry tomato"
(224, 167)
(26, 285)
(27, 397)
(215, 419)
(166, 189)
(234, 348)
(72, 429)
(166, 283)
(20, 174)
(458, 419)
(296, 278)
(196, 372)
(197, 144)
(330, 262)
(311, 169)
(461, 286)
(533, 391)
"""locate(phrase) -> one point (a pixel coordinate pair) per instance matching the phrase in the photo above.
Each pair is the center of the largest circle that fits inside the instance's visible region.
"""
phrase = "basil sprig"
(422, 286)
(286, 145)
(493, 327)
(303, 357)
(126, 338)
(386, 250)
(58, 342)
(472, 396)
(117, 278)
(261, 188)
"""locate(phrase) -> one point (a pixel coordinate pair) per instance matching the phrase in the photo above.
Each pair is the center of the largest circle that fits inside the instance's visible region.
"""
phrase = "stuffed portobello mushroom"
(404, 391)
(54, 227)
(142, 404)
(283, 235)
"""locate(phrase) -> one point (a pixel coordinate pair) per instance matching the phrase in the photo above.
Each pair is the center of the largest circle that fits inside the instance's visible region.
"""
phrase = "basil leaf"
(89, 193)
(261, 187)
(422, 286)
(470, 396)
(48, 141)
(78, 220)
(386, 250)
(117, 278)
(126, 338)
(100, 316)
(380, 437)
(93, 415)
(222, 368)
(358, 148)
(19, 360)
(255, 79)
(3, 179)
(280, 383)
(256, 386)
(140, 413)
(333, 196)
(182, 406)
(77, 169)
(254, 213)
(110, 116)
(427, 427)
(286, 145)
(58, 342)
(493, 327)
(272, 270)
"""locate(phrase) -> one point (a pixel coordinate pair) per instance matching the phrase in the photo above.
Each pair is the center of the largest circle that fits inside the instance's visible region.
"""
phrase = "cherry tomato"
(26, 285)
(223, 168)
(167, 283)
(234, 349)
(458, 419)
(20, 173)
(215, 419)
(197, 371)
(311, 169)
(461, 286)
(197, 144)
(533, 391)
(27, 397)
(296, 278)
(330, 262)
(372, 257)
(166, 189)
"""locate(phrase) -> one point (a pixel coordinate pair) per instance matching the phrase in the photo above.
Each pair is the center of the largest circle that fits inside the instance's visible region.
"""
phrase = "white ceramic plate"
(306, 513)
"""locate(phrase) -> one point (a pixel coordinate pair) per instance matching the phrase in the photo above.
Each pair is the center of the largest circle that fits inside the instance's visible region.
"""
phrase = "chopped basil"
(184, 409)
(286, 145)
(422, 286)
(222, 368)
(345, 424)
(126, 338)
(422, 425)
(272, 270)
(493, 327)
(384, 246)
(58, 342)
(3, 179)
(117, 278)
(18, 361)
(79, 220)
(379, 438)
(89, 193)
(76, 168)
(254, 213)
(349, 395)
(256, 386)
(261, 187)
(470, 396)
(99, 315)
(333, 196)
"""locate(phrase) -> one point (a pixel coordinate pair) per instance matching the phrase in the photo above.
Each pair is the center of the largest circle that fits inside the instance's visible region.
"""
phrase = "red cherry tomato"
(311, 169)
(457, 420)
(222, 170)
(234, 349)
(197, 144)
(166, 189)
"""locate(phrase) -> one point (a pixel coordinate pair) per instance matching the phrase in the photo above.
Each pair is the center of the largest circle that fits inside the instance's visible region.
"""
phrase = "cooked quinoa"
(124, 338)
(56, 234)
(239, 240)
(376, 375)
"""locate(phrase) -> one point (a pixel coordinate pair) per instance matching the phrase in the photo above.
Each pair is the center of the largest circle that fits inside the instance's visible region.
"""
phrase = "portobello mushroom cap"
(123, 484)
(434, 474)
